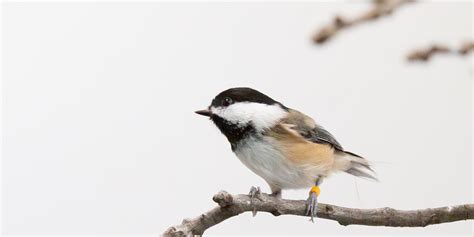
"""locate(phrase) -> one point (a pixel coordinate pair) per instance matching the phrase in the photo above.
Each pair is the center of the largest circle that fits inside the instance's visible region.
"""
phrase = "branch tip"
(425, 54)
(379, 8)
(223, 199)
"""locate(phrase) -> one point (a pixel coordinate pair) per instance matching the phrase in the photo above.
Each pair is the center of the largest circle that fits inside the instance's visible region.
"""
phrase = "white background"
(99, 134)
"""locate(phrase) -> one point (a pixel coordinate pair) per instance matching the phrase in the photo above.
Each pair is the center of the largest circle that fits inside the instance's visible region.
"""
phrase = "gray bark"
(233, 205)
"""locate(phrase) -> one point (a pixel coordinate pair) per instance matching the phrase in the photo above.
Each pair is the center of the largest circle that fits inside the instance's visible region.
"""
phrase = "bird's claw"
(312, 205)
(254, 194)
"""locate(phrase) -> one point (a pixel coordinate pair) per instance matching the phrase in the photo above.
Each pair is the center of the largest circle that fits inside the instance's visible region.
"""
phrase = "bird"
(285, 147)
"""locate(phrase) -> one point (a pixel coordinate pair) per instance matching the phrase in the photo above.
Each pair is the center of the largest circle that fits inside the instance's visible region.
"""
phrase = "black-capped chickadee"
(282, 145)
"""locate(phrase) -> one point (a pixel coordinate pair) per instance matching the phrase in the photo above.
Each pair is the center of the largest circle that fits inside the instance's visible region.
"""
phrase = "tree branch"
(380, 8)
(426, 53)
(232, 205)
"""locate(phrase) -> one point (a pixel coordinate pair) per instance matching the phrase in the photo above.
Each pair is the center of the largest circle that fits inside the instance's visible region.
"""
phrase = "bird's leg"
(312, 201)
(276, 191)
(254, 194)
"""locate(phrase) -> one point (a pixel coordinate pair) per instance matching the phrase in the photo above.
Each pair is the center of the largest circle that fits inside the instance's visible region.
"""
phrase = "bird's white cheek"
(232, 114)
(261, 116)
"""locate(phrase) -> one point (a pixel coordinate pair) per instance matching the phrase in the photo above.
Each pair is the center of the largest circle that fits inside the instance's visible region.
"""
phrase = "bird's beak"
(204, 112)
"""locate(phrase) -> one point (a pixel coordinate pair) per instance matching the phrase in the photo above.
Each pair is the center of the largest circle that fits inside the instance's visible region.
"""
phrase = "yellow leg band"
(315, 189)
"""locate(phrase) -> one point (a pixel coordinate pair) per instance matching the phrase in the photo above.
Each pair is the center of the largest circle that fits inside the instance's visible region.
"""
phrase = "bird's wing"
(308, 129)
(305, 129)
(321, 135)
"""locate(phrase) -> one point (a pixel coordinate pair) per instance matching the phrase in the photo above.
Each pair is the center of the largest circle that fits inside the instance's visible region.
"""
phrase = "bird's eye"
(226, 101)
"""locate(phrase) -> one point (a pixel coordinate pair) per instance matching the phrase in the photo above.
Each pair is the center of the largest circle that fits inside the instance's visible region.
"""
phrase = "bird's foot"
(254, 194)
(312, 202)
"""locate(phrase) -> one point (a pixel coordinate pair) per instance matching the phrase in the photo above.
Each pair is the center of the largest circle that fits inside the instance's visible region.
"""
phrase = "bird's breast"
(263, 155)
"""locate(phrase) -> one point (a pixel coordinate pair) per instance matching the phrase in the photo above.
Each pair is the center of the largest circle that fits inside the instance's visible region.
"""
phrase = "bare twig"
(426, 53)
(232, 205)
(380, 8)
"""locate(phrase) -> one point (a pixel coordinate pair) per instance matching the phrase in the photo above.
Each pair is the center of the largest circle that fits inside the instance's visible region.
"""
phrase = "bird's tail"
(353, 164)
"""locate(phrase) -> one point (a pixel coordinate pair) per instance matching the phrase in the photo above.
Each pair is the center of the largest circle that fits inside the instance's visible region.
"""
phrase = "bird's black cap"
(242, 94)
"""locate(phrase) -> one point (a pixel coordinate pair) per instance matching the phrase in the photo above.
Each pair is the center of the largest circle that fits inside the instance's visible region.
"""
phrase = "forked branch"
(233, 205)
